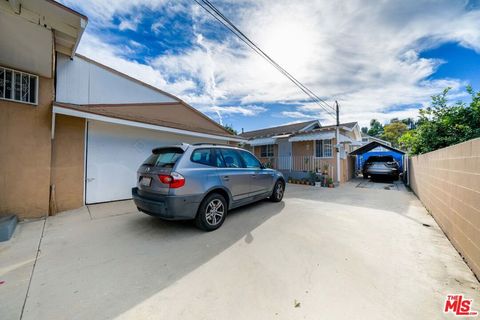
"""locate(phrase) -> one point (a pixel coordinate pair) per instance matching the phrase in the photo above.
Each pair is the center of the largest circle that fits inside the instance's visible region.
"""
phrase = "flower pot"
(330, 185)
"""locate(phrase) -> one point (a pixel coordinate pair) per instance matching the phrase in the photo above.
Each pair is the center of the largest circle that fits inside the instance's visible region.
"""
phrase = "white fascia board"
(310, 125)
(83, 25)
(262, 141)
(313, 136)
(91, 116)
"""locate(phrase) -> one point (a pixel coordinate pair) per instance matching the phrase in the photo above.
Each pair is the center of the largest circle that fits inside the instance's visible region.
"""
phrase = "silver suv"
(203, 182)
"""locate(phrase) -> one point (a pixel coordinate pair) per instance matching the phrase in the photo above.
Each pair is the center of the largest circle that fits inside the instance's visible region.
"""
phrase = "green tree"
(376, 128)
(442, 125)
(410, 122)
(393, 131)
(230, 129)
(365, 130)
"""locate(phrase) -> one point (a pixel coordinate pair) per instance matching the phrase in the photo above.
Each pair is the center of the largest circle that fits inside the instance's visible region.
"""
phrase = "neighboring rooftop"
(348, 125)
(295, 128)
(273, 131)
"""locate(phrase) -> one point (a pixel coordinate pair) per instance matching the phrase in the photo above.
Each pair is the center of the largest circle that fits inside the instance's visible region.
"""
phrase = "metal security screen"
(18, 86)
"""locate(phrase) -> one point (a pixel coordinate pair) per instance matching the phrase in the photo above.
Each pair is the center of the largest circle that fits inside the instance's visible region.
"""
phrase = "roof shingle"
(173, 115)
(269, 132)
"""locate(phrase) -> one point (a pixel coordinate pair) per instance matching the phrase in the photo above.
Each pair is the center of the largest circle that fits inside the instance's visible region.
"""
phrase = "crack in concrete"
(33, 268)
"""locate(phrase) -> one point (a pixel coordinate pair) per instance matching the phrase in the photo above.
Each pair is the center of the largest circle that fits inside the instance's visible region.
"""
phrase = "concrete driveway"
(344, 253)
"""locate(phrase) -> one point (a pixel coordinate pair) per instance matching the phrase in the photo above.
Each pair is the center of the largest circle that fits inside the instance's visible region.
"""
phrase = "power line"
(259, 51)
(214, 12)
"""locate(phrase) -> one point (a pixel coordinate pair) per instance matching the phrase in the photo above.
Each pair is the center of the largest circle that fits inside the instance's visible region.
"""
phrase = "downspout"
(337, 137)
(52, 206)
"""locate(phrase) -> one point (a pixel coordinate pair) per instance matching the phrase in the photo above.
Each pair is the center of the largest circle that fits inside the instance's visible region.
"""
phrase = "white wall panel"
(114, 153)
(82, 82)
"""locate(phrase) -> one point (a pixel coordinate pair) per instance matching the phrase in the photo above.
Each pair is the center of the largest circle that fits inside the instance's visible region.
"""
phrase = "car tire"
(278, 191)
(208, 216)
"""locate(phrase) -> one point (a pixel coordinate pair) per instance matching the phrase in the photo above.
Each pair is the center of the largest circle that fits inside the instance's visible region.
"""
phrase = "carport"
(376, 148)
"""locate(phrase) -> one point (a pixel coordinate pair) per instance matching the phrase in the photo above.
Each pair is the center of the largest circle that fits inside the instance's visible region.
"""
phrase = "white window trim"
(267, 156)
(13, 85)
(315, 149)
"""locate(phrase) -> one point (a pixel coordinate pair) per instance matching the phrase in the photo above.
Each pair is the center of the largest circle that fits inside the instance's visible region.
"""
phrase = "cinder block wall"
(447, 181)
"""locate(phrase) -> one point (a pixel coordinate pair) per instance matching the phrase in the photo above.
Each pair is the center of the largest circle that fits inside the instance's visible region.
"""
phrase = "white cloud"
(247, 111)
(363, 54)
(299, 115)
(129, 23)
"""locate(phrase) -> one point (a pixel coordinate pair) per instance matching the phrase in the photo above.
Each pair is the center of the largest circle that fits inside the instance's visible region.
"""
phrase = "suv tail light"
(174, 180)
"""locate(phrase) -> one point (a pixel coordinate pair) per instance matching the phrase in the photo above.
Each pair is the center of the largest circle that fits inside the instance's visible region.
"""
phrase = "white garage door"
(114, 153)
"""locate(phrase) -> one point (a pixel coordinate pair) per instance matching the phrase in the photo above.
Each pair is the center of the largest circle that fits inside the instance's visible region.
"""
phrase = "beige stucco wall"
(301, 149)
(68, 162)
(447, 181)
(25, 154)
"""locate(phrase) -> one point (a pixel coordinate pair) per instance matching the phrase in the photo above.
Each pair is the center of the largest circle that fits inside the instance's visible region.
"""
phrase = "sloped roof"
(176, 115)
(348, 125)
(372, 145)
(268, 132)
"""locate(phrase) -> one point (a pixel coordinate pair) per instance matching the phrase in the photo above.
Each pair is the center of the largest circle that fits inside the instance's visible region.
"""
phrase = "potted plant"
(290, 180)
(318, 182)
(324, 180)
(312, 177)
(330, 182)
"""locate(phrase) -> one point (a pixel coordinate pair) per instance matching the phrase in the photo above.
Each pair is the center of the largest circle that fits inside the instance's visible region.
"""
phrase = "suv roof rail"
(211, 144)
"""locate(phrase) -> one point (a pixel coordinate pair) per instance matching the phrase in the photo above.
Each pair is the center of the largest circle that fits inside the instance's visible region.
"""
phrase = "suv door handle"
(226, 178)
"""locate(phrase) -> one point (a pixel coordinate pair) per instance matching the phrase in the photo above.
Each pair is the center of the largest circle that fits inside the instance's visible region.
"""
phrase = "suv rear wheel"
(212, 212)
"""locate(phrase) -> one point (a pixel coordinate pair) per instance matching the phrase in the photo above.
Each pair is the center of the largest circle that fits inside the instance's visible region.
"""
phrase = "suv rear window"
(164, 157)
(380, 159)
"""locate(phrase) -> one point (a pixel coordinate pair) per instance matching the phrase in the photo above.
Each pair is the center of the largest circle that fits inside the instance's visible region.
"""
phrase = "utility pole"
(337, 137)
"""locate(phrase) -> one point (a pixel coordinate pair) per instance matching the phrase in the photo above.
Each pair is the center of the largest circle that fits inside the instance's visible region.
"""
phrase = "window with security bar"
(18, 86)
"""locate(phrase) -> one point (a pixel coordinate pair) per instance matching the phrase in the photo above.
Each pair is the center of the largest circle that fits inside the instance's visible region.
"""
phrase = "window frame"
(241, 152)
(244, 166)
(15, 72)
(267, 153)
(325, 147)
(210, 164)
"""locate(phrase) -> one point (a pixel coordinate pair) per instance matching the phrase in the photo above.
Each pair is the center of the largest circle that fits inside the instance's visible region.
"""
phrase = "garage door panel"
(114, 152)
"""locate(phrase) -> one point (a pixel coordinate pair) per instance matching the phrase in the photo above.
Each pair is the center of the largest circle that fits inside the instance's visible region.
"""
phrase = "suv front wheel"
(278, 191)
(212, 212)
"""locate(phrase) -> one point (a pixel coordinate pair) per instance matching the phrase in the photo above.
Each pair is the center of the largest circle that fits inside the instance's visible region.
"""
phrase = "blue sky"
(379, 60)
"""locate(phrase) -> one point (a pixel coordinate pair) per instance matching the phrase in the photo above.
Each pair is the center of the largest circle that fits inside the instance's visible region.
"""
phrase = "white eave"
(66, 24)
(92, 116)
(313, 136)
(261, 141)
(266, 141)
(323, 136)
